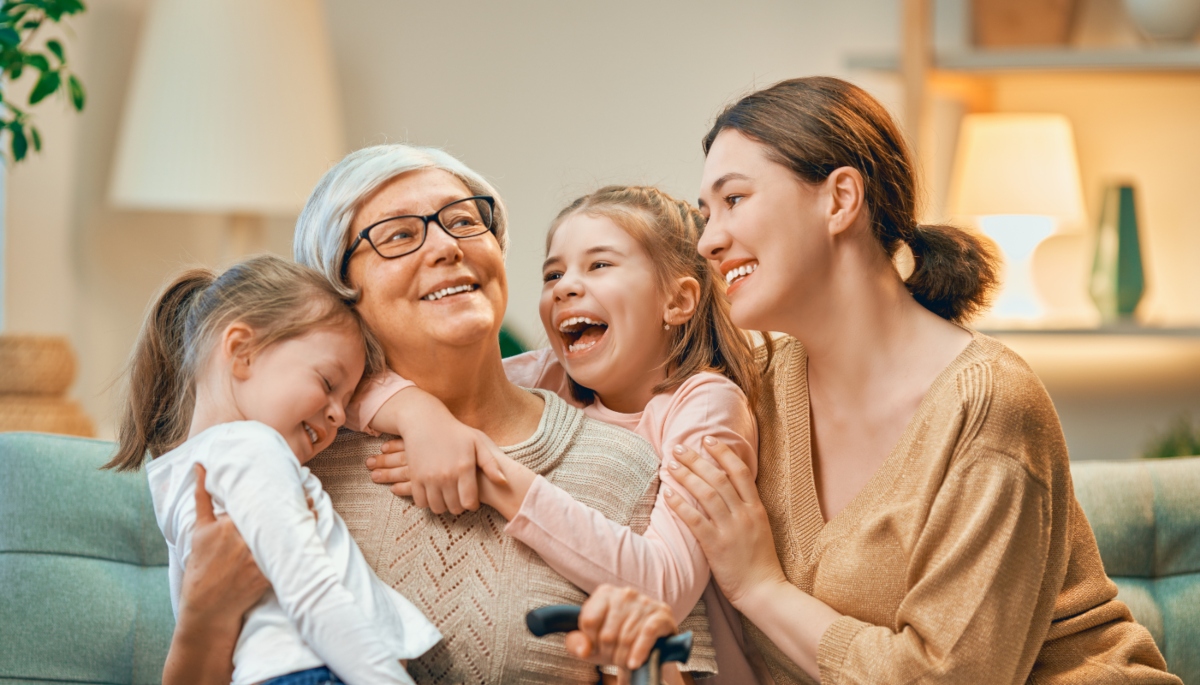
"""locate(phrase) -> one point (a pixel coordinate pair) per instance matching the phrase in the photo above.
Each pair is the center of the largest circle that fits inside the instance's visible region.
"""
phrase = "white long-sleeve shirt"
(326, 606)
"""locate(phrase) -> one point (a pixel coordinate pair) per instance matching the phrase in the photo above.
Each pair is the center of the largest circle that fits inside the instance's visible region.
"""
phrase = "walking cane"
(563, 618)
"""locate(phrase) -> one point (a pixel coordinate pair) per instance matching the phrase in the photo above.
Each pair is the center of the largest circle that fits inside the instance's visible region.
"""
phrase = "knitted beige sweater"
(965, 558)
(474, 582)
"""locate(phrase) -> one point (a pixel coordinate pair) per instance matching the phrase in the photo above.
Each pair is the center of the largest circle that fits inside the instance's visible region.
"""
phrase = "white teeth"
(575, 320)
(434, 296)
(580, 346)
(741, 271)
(312, 434)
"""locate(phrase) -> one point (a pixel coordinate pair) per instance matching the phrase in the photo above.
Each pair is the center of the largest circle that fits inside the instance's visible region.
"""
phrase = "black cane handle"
(563, 618)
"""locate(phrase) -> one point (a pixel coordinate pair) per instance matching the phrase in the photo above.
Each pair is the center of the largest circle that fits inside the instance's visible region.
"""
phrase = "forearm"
(201, 654)
(506, 498)
(794, 620)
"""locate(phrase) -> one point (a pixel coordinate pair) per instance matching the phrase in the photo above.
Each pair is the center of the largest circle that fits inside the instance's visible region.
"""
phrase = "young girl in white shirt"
(247, 375)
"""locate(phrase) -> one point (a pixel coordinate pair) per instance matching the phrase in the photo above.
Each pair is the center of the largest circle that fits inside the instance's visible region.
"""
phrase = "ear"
(237, 346)
(683, 303)
(846, 198)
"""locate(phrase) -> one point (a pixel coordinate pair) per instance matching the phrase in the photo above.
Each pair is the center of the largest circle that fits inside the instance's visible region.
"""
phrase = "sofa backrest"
(1146, 516)
(85, 596)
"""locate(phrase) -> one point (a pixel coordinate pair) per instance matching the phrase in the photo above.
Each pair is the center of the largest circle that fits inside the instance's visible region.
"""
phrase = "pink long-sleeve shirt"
(665, 562)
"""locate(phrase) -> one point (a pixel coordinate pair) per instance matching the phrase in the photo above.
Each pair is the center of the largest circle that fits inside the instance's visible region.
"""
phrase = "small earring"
(666, 326)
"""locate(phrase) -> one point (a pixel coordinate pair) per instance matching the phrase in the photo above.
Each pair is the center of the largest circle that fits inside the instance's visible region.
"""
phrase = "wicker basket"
(35, 365)
(43, 415)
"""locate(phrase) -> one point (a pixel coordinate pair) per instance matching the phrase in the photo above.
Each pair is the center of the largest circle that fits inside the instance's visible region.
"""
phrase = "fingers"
(736, 469)
(403, 490)
(204, 505)
(487, 459)
(693, 518)
(579, 645)
(392, 446)
(400, 474)
(619, 626)
(658, 624)
(705, 481)
(468, 492)
(388, 460)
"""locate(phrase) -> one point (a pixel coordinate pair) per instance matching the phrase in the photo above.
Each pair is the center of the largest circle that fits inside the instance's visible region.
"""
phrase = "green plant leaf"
(78, 97)
(38, 62)
(20, 146)
(9, 37)
(57, 48)
(37, 139)
(31, 25)
(15, 70)
(46, 85)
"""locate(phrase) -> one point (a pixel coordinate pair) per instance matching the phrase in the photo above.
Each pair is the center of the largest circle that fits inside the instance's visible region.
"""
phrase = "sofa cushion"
(1146, 517)
(83, 566)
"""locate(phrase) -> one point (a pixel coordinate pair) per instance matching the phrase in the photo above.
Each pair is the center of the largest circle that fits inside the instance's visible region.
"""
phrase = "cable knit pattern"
(965, 558)
(472, 581)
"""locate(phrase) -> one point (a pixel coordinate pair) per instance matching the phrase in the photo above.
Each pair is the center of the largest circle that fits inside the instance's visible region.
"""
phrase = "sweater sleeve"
(977, 608)
(370, 398)
(666, 562)
(257, 479)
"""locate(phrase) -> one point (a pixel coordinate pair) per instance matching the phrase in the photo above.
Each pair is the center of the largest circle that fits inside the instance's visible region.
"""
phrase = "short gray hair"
(323, 229)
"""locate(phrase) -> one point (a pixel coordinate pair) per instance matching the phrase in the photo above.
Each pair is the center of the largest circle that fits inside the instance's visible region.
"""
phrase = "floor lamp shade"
(232, 108)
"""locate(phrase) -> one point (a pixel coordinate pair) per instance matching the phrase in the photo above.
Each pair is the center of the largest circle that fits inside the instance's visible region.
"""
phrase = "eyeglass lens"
(404, 234)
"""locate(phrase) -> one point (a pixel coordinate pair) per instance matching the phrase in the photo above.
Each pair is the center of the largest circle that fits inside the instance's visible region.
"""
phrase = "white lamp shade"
(232, 108)
(1017, 164)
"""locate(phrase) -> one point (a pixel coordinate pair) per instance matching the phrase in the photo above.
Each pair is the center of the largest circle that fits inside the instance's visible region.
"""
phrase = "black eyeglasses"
(397, 236)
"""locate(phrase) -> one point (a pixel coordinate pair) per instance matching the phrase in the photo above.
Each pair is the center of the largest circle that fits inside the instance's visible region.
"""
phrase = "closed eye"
(600, 265)
(328, 385)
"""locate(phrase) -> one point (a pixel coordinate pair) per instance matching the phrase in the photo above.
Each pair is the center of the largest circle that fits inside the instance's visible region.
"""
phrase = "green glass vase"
(1118, 280)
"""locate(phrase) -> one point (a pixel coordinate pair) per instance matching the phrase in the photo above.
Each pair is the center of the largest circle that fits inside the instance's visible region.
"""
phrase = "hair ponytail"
(818, 124)
(276, 298)
(158, 409)
(954, 271)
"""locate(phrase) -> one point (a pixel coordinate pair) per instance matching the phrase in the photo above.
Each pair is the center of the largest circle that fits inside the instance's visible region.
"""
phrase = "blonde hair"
(278, 299)
(668, 230)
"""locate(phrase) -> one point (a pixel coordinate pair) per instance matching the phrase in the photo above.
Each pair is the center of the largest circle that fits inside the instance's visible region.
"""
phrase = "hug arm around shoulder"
(260, 484)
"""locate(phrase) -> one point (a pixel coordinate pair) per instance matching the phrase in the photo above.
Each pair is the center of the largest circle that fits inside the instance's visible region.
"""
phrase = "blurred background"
(551, 99)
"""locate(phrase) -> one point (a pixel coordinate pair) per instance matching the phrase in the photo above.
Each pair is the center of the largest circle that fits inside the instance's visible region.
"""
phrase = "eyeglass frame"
(425, 219)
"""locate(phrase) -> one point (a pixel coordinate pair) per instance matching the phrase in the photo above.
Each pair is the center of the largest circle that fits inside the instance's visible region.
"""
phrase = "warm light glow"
(1017, 164)
(1017, 175)
(232, 108)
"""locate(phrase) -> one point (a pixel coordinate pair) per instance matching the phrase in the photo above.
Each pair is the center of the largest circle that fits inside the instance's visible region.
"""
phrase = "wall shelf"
(1151, 58)
(1115, 330)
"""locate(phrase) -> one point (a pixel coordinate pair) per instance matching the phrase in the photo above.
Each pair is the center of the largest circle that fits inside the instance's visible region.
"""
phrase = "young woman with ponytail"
(914, 519)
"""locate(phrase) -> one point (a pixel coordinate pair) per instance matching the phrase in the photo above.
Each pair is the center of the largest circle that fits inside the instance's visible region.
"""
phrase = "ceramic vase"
(1117, 277)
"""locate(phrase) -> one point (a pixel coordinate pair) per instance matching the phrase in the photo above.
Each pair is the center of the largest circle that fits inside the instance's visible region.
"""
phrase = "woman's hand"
(393, 468)
(730, 524)
(440, 454)
(221, 582)
(619, 626)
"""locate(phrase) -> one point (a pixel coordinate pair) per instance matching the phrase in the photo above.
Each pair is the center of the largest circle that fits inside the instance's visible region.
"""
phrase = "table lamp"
(1017, 174)
(233, 110)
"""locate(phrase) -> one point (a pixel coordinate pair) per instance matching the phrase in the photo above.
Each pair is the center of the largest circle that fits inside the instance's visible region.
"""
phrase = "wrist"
(507, 498)
(763, 595)
(408, 410)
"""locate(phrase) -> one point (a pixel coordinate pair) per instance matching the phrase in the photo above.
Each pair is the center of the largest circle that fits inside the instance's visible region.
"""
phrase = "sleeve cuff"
(370, 398)
(524, 520)
(835, 644)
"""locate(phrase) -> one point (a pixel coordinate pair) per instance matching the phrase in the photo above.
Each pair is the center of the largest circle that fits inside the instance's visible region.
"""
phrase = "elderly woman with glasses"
(417, 240)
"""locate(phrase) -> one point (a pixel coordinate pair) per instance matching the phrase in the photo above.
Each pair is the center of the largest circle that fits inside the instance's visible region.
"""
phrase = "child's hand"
(435, 462)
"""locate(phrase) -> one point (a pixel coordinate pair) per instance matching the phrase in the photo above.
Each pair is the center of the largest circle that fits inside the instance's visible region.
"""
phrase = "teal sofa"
(83, 578)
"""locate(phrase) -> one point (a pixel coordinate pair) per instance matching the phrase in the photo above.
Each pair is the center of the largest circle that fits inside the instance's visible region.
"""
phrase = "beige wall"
(548, 99)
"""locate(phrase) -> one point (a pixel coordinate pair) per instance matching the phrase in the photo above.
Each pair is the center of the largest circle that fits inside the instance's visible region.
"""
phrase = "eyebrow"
(731, 176)
(590, 251)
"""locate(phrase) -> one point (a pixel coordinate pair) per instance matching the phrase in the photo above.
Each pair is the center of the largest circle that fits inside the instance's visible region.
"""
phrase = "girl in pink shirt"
(640, 337)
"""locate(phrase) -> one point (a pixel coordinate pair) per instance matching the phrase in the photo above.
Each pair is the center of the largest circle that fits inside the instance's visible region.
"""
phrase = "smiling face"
(604, 311)
(767, 233)
(450, 292)
(300, 386)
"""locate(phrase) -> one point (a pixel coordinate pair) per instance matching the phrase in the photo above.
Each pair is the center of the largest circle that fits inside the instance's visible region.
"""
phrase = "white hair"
(323, 229)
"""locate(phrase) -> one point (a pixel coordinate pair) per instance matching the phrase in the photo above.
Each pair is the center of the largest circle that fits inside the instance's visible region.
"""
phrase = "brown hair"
(278, 299)
(668, 230)
(818, 124)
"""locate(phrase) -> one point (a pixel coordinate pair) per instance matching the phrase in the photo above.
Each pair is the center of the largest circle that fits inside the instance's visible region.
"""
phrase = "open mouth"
(735, 275)
(452, 290)
(581, 332)
(312, 434)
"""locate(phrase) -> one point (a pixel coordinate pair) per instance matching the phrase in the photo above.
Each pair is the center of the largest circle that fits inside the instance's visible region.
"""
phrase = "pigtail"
(160, 397)
(955, 272)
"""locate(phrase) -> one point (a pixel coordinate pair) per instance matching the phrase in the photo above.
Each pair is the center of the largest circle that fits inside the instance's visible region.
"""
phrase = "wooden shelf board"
(1184, 332)
(1151, 58)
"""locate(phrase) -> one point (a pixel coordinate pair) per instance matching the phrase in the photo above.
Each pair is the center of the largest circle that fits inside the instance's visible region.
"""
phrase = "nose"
(567, 286)
(335, 414)
(440, 247)
(714, 241)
